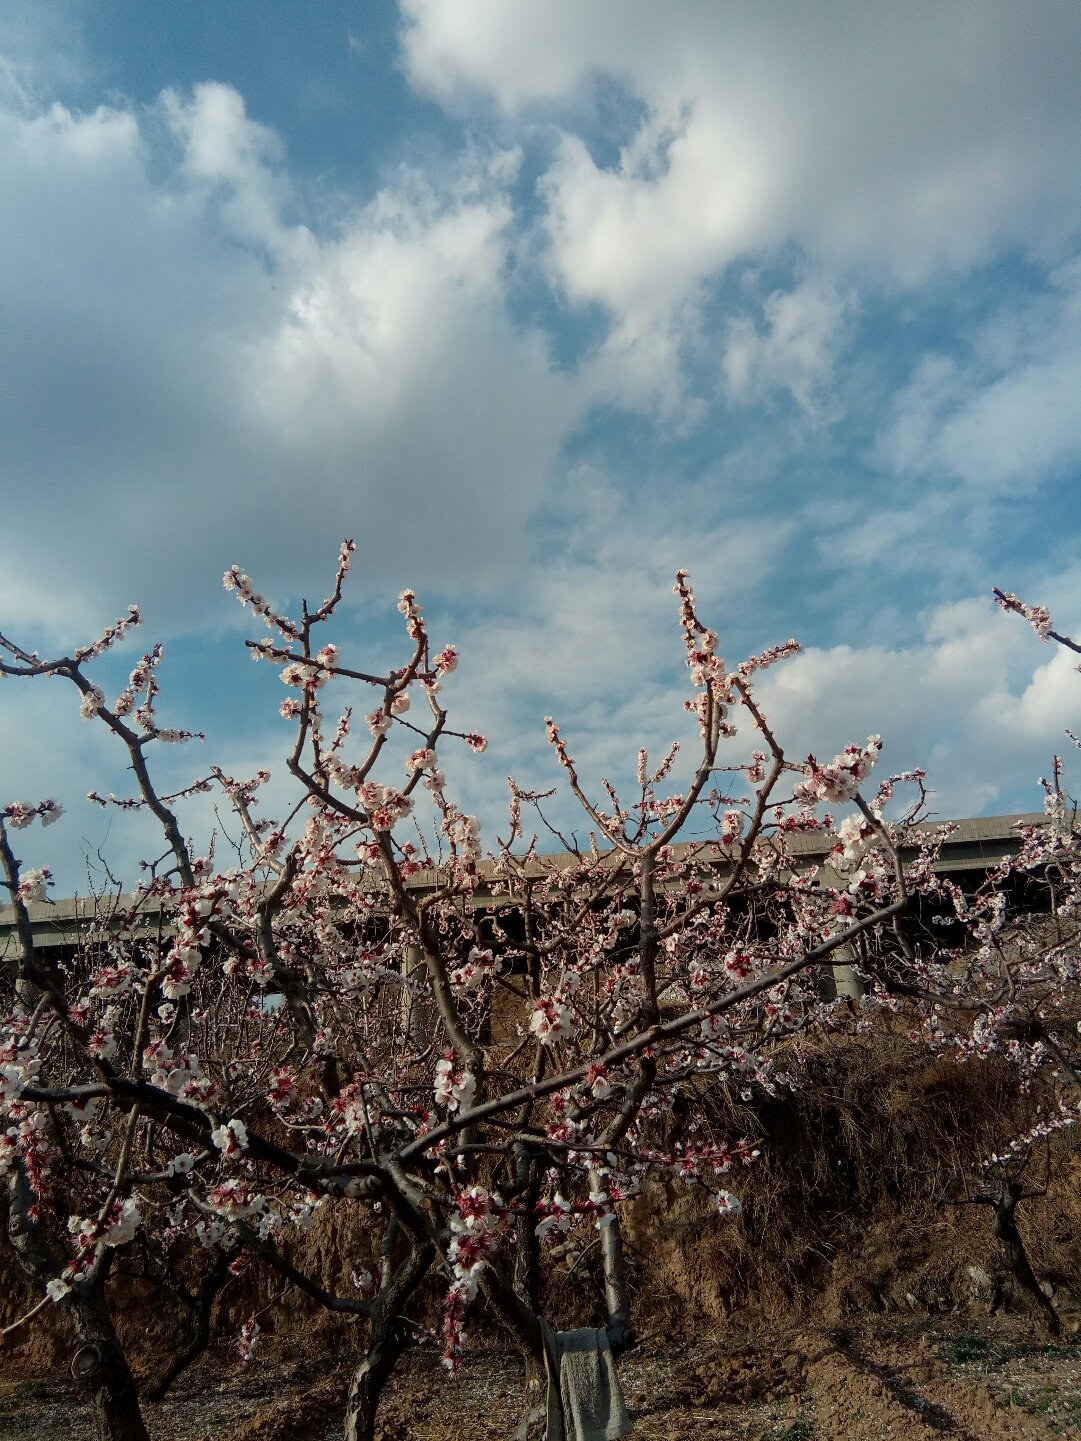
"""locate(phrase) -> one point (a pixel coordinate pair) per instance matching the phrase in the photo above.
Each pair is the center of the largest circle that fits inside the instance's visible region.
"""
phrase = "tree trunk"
(199, 1335)
(388, 1340)
(114, 1399)
(527, 1251)
(368, 1381)
(846, 984)
(1005, 1228)
(620, 1330)
(522, 1321)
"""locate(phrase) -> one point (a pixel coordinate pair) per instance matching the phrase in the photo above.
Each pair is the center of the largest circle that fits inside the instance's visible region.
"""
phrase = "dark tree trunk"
(389, 1338)
(527, 1269)
(527, 1250)
(103, 1366)
(114, 1398)
(521, 1319)
(199, 1334)
(1005, 1228)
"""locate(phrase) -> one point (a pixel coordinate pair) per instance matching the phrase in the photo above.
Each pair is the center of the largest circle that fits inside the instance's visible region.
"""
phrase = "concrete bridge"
(975, 847)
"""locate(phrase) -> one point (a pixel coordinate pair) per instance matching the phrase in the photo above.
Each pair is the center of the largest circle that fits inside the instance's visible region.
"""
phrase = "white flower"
(840, 779)
(551, 1021)
(19, 814)
(93, 700)
(57, 1289)
(50, 811)
(477, 966)
(231, 1138)
(249, 1334)
(209, 1233)
(558, 1217)
(454, 1088)
(124, 1226)
(464, 1091)
(33, 884)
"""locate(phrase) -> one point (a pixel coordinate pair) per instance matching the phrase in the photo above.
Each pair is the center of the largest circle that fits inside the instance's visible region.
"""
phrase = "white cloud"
(1004, 415)
(39, 47)
(225, 151)
(193, 378)
(796, 350)
(206, 360)
(896, 142)
(590, 635)
(923, 123)
(974, 699)
(978, 703)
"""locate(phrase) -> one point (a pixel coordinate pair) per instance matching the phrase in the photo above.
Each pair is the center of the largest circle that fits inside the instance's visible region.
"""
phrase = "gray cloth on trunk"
(585, 1400)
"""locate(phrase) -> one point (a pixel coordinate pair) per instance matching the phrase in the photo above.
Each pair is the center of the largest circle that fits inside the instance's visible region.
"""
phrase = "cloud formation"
(786, 295)
(895, 143)
(1003, 414)
(193, 377)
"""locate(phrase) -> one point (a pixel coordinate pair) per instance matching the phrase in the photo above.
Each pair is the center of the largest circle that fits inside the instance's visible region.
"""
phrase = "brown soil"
(914, 1381)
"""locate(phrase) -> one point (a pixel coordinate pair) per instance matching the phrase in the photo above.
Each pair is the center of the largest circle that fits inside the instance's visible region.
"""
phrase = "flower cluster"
(230, 1139)
(1038, 616)
(249, 1334)
(409, 607)
(181, 1075)
(478, 967)
(20, 814)
(385, 805)
(119, 1226)
(766, 658)
(841, 778)
(557, 1214)
(109, 636)
(454, 1087)
(474, 1226)
(33, 885)
(235, 580)
(552, 1020)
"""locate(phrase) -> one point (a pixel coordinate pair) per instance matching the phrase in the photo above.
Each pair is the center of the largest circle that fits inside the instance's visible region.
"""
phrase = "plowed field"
(873, 1382)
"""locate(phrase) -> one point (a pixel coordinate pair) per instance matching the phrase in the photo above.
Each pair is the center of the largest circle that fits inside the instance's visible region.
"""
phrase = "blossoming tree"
(1008, 990)
(479, 1051)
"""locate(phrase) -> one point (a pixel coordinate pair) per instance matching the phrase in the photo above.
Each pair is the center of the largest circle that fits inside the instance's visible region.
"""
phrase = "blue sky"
(541, 301)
